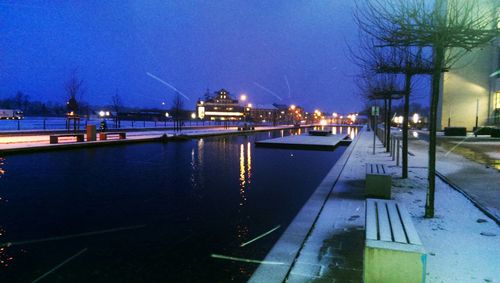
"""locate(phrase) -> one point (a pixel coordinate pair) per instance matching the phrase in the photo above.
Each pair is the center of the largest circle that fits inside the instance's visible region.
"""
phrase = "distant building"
(264, 113)
(220, 106)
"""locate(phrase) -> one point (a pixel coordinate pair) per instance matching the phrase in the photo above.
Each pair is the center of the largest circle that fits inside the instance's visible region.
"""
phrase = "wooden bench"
(55, 138)
(393, 250)
(104, 135)
(378, 182)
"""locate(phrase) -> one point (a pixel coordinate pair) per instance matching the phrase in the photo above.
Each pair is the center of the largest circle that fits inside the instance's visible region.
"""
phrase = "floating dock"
(306, 141)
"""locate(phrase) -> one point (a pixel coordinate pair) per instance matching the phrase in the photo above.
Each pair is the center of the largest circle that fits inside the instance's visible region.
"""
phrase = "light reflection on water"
(245, 180)
(5, 258)
(216, 192)
(475, 152)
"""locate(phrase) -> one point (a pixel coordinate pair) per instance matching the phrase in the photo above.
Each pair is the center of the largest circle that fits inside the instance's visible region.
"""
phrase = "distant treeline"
(30, 107)
(33, 108)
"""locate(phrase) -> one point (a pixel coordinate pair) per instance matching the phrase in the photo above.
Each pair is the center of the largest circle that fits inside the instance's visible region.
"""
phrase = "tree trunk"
(406, 110)
(388, 123)
(384, 141)
(436, 81)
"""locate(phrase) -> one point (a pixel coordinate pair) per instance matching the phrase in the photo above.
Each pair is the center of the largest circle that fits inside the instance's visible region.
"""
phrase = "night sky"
(296, 49)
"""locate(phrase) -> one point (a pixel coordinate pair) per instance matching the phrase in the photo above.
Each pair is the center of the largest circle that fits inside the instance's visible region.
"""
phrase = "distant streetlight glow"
(243, 97)
(166, 114)
(292, 107)
(193, 115)
(415, 118)
(102, 113)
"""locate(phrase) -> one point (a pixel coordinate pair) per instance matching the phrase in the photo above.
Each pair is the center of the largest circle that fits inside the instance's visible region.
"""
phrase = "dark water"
(151, 212)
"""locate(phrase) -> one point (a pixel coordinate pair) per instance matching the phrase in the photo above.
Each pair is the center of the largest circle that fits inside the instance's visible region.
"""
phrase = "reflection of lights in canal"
(5, 258)
(245, 178)
(245, 170)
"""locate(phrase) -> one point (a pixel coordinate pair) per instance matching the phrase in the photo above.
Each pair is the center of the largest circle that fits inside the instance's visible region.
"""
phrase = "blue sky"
(241, 46)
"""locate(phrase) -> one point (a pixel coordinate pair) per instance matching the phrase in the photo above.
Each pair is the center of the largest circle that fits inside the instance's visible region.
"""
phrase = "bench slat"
(384, 227)
(371, 220)
(397, 227)
(411, 233)
(375, 169)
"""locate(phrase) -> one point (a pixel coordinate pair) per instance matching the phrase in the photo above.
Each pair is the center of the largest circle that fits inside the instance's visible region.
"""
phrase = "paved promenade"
(478, 181)
(332, 245)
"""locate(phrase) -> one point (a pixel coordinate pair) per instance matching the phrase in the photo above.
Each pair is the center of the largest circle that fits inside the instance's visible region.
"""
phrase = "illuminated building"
(220, 106)
(473, 85)
(265, 113)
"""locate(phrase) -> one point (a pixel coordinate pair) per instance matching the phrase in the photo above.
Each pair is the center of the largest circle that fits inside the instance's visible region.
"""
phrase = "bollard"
(397, 153)
(91, 133)
(393, 142)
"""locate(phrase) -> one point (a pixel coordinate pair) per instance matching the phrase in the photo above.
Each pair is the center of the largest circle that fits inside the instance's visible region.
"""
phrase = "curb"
(471, 199)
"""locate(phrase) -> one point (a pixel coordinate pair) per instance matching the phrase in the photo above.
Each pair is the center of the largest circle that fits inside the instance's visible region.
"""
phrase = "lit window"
(497, 100)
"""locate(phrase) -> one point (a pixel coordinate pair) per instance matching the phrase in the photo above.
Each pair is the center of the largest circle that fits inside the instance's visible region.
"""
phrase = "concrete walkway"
(332, 249)
(479, 182)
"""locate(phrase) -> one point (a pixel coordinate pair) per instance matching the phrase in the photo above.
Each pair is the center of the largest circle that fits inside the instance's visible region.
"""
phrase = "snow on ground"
(462, 243)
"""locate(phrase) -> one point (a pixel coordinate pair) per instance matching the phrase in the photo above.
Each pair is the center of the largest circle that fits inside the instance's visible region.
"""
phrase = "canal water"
(153, 212)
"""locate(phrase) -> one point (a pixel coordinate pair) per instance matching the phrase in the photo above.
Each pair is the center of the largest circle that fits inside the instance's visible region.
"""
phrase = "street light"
(415, 118)
(193, 115)
(243, 97)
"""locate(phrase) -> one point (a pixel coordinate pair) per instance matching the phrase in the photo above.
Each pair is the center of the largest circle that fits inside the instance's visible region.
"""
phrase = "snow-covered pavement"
(462, 243)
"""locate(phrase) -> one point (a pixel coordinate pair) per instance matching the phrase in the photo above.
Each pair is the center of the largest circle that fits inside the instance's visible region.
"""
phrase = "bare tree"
(408, 61)
(384, 87)
(117, 104)
(449, 28)
(116, 101)
(176, 110)
(74, 90)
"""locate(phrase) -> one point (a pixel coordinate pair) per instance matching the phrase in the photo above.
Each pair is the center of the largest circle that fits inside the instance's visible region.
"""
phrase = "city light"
(323, 122)
(398, 119)
(334, 115)
(292, 107)
(102, 113)
(243, 97)
(415, 118)
(166, 114)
